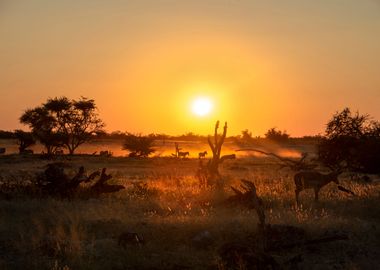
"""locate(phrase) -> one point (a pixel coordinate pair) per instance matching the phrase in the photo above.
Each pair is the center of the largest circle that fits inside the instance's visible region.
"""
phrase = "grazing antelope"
(202, 154)
(183, 154)
(315, 180)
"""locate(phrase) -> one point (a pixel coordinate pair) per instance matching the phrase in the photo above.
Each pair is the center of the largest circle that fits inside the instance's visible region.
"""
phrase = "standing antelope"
(315, 180)
(202, 154)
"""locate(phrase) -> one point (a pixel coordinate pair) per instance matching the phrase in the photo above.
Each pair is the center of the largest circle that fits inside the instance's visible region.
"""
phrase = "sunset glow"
(201, 106)
(151, 61)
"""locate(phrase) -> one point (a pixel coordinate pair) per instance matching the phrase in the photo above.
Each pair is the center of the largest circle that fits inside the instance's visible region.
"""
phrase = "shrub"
(138, 145)
(351, 140)
(277, 135)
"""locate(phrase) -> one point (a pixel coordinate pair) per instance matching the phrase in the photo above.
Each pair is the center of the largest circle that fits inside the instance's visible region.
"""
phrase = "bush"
(277, 135)
(351, 140)
(138, 145)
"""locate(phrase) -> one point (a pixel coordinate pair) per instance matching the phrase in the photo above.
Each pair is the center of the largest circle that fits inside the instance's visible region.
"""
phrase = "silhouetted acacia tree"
(138, 145)
(351, 140)
(43, 126)
(63, 122)
(25, 139)
(277, 135)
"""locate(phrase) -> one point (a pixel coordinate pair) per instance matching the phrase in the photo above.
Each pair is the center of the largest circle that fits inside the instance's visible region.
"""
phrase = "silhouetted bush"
(277, 135)
(246, 136)
(139, 145)
(351, 140)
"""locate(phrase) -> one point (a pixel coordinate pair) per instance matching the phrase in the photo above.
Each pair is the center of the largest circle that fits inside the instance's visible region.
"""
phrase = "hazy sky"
(289, 64)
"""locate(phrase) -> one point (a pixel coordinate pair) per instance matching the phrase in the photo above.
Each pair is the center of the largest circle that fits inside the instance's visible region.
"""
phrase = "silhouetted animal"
(183, 154)
(2, 150)
(202, 154)
(315, 180)
(130, 238)
(105, 153)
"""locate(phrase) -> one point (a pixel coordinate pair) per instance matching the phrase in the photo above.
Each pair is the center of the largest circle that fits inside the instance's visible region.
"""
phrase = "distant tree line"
(351, 140)
(245, 136)
(7, 134)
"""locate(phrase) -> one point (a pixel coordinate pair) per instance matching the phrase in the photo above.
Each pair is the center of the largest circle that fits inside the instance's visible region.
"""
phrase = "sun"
(201, 106)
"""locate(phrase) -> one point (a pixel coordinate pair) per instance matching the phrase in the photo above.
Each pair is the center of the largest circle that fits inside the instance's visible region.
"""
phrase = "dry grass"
(163, 202)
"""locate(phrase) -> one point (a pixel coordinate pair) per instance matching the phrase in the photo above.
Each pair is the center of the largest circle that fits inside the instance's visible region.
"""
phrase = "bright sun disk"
(201, 106)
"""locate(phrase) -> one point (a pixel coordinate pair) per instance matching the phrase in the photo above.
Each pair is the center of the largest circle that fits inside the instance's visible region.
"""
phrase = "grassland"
(169, 209)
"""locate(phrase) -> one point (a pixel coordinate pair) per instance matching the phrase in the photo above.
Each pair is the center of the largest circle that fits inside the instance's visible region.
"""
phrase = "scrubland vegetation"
(164, 203)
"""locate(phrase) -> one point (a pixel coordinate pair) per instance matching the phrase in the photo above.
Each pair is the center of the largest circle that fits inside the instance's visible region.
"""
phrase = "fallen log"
(101, 186)
(54, 181)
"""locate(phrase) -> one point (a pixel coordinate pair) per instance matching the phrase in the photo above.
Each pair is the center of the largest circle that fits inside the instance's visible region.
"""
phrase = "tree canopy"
(351, 140)
(61, 122)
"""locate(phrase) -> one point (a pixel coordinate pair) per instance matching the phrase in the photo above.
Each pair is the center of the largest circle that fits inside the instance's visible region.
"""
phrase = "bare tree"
(209, 174)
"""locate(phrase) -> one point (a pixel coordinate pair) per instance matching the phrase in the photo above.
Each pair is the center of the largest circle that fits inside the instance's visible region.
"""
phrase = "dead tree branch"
(295, 165)
(55, 182)
(209, 174)
(101, 186)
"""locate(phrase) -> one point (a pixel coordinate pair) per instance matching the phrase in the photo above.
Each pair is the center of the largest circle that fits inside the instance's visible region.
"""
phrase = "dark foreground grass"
(170, 210)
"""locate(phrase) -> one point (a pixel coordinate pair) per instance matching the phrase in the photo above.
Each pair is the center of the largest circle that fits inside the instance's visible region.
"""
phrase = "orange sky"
(289, 64)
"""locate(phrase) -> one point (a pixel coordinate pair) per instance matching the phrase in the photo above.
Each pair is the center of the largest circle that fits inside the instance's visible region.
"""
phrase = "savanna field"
(192, 134)
(181, 225)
